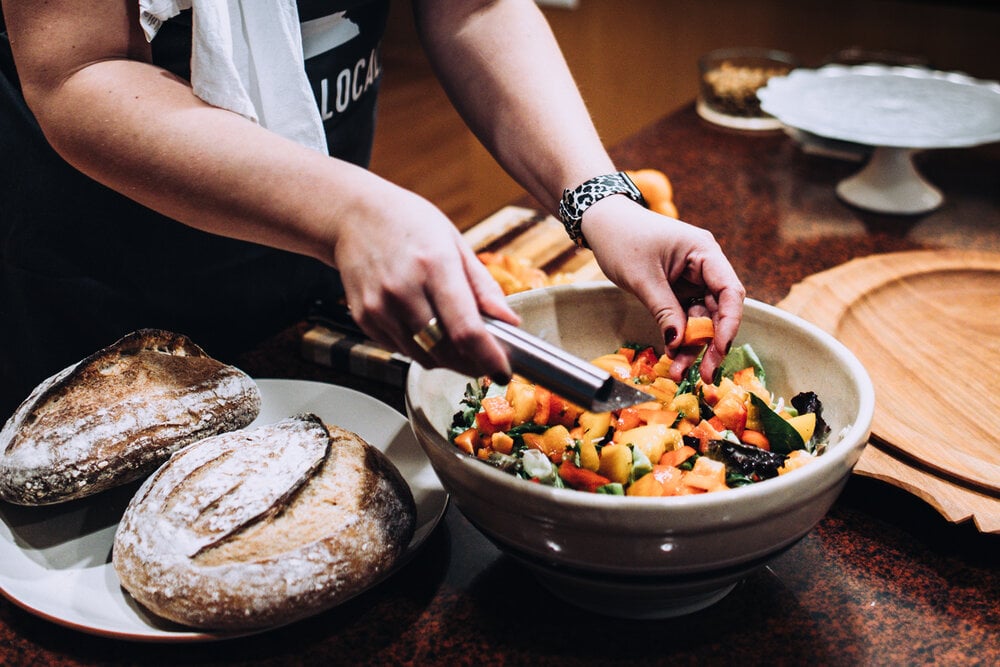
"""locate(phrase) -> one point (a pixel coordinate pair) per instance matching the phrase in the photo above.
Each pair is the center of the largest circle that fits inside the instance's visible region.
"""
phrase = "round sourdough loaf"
(264, 526)
(117, 415)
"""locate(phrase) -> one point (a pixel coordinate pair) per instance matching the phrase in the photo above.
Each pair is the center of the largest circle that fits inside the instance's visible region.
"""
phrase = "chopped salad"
(690, 437)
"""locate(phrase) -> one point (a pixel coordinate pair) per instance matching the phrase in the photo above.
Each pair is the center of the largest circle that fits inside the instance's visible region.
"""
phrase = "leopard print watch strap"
(575, 202)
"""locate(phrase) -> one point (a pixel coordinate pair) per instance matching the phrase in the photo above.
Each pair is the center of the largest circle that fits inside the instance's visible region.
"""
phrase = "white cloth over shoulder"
(247, 57)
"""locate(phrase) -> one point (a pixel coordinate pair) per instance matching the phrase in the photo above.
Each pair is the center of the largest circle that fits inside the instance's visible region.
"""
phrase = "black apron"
(81, 265)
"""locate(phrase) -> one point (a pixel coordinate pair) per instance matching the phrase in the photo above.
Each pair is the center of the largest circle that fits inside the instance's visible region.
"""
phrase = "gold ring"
(429, 336)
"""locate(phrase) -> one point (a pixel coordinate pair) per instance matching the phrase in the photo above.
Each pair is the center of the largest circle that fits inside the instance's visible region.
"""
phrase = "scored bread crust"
(118, 414)
(262, 527)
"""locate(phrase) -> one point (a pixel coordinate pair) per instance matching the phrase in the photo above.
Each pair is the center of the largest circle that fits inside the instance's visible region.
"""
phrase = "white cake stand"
(897, 110)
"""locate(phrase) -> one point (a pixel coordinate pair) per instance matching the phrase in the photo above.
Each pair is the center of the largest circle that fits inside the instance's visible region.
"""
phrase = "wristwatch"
(575, 202)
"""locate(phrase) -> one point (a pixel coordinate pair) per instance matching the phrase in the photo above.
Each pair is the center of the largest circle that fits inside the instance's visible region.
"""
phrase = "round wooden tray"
(926, 325)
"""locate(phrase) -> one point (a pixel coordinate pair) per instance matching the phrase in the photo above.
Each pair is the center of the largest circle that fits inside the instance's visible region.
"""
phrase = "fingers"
(678, 271)
(428, 306)
(459, 298)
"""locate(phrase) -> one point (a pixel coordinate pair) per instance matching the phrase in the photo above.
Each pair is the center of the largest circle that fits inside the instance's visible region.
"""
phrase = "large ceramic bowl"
(651, 557)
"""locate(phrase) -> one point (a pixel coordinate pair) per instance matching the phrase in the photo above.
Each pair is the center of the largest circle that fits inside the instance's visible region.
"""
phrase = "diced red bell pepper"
(648, 355)
(581, 478)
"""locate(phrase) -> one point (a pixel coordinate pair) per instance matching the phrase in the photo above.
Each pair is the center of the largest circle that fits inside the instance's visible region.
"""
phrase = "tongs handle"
(549, 365)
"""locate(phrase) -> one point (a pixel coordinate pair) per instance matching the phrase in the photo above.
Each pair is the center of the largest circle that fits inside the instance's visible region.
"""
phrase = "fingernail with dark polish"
(669, 335)
(729, 346)
(501, 378)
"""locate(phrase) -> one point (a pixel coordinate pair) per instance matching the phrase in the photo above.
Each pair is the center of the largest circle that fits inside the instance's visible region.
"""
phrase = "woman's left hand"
(676, 269)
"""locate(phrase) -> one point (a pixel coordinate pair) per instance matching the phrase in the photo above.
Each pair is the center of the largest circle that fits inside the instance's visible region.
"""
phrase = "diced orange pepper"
(710, 393)
(647, 485)
(466, 440)
(732, 413)
(698, 332)
(676, 457)
(744, 377)
(534, 441)
(671, 479)
(484, 425)
(562, 411)
(628, 353)
(501, 442)
(705, 433)
(707, 475)
(499, 411)
(627, 418)
(755, 438)
(543, 405)
(661, 416)
(747, 379)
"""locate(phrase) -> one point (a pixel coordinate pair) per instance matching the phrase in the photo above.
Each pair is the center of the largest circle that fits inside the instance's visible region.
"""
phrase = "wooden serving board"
(538, 238)
(926, 325)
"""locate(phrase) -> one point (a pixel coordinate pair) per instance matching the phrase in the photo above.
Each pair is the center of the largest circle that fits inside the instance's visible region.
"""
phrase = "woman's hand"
(405, 263)
(677, 270)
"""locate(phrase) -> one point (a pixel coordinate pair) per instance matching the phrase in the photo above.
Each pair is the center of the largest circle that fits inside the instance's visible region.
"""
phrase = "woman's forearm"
(504, 71)
(143, 133)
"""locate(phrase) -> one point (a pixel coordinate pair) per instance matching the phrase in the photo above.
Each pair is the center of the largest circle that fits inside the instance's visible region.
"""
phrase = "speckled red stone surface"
(882, 580)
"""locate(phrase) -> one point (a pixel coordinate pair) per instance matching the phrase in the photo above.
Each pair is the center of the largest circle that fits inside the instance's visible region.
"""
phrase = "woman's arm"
(86, 74)
(502, 68)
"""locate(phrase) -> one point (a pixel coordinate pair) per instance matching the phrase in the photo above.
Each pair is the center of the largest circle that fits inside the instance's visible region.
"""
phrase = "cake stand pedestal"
(890, 183)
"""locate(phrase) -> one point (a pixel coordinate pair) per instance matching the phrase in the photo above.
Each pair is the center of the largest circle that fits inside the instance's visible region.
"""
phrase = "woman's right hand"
(402, 263)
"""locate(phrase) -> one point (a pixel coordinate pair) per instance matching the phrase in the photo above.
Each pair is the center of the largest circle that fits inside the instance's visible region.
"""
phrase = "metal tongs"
(569, 376)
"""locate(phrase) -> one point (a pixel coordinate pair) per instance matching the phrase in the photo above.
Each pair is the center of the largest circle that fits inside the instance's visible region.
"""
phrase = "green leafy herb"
(740, 357)
(690, 379)
(735, 479)
(465, 418)
(782, 435)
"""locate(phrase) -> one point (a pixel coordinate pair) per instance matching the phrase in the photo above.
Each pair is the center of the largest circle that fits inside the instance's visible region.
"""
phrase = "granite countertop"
(883, 579)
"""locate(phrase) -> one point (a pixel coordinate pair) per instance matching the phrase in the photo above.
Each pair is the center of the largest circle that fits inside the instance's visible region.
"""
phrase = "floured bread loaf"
(117, 415)
(264, 526)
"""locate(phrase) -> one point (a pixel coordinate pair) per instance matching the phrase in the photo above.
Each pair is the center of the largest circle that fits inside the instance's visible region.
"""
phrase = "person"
(130, 202)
